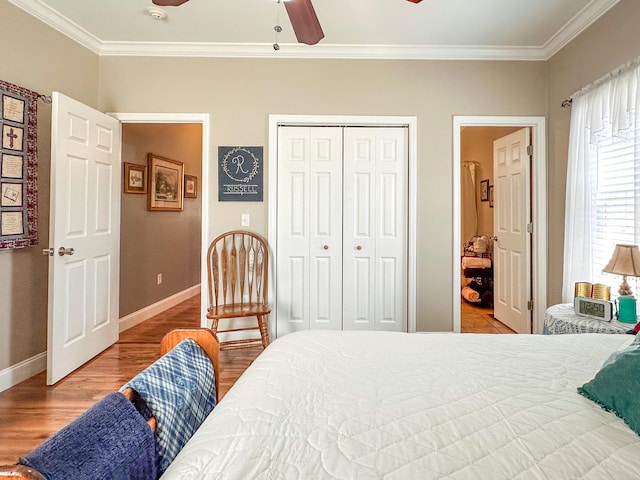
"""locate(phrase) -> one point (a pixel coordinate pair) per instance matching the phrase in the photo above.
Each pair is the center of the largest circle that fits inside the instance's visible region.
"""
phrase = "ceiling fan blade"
(169, 3)
(304, 21)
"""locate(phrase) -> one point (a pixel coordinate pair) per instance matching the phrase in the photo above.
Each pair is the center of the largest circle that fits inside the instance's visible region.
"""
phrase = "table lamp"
(625, 261)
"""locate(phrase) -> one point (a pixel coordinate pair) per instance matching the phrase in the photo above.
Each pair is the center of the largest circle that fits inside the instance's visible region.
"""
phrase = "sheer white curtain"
(603, 176)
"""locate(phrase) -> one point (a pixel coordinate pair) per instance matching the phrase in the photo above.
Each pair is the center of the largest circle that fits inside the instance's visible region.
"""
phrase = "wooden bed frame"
(202, 336)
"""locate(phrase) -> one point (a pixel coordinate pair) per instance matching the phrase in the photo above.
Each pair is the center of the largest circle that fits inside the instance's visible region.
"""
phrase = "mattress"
(370, 405)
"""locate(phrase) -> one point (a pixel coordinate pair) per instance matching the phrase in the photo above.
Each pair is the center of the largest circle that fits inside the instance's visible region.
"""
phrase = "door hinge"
(530, 305)
(529, 149)
(529, 227)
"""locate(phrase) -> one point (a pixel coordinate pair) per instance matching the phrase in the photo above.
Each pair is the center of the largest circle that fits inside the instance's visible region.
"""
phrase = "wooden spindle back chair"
(238, 270)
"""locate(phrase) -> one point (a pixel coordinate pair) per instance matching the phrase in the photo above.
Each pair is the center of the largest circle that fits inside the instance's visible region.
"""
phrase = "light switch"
(244, 220)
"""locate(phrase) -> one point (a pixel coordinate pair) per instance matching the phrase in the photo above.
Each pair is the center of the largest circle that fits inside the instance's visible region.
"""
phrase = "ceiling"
(432, 29)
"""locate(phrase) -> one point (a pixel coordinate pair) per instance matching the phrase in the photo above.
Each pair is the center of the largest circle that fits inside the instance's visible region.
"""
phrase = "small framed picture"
(166, 184)
(190, 186)
(484, 190)
(135, 178)
(490, 196)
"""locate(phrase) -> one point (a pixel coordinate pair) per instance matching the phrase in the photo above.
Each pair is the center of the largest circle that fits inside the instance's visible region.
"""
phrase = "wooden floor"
(31, 411)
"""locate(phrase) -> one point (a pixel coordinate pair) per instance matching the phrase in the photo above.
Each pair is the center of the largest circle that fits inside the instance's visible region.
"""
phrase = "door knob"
(359, 247)
(65, 251)
(47, 252)
(494, 238)
(326, 247)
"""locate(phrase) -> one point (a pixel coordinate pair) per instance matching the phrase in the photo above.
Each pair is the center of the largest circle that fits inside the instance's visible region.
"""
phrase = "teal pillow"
(616, 388)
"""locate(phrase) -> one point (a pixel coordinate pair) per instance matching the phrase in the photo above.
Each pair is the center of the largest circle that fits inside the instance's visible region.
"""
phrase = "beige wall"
(40, 59)
(159, 242)
(241, 93)
(607, 44)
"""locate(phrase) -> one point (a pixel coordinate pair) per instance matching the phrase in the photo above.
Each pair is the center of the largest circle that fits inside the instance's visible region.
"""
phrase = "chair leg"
(214, 326)
(264, 330)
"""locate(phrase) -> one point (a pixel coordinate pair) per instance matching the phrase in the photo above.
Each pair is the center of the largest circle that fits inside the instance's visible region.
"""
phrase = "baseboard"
(21, 371)
(146, 313)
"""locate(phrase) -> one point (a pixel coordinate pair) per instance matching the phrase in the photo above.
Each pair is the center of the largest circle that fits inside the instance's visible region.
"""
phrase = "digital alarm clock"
(593, 308)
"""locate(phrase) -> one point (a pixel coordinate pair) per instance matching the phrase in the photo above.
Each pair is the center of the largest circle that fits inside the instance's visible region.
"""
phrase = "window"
(614, 201)
(603, 177)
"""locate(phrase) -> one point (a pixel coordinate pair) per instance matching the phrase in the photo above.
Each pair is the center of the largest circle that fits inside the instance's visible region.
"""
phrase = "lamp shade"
(624, 261)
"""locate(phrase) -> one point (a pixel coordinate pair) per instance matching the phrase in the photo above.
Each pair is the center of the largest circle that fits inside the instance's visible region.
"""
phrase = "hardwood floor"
(31, 411)
(476, 319)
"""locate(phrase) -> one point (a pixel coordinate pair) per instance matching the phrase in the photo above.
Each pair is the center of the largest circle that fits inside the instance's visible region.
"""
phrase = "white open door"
(512, 244)
(84, 235)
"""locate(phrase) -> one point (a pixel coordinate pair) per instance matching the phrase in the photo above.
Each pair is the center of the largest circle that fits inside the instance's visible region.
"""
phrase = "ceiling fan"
(301, 14)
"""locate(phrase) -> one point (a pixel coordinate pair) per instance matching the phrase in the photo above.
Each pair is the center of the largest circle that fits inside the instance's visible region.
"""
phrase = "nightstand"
(561, 319)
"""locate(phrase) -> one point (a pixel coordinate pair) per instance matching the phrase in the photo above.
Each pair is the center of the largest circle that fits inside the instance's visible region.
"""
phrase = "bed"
(371, 405)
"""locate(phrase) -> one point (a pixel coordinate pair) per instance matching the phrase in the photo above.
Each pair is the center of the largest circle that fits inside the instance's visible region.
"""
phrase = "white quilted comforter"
(371, 405)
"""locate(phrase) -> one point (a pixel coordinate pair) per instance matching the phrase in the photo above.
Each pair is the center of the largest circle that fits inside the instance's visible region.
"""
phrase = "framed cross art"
(18, 167)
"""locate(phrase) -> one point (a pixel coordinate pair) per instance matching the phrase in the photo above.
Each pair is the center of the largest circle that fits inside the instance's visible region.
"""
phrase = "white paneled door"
(512, 244)
(342, 228)
(375, 229)
(309, 256)
(84, 235)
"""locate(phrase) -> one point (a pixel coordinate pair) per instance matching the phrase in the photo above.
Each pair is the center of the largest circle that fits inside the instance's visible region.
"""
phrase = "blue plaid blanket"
(179, 389)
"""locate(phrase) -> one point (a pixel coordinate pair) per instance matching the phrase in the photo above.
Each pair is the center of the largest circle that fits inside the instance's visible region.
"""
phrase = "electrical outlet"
(159, 279)
(244, 220)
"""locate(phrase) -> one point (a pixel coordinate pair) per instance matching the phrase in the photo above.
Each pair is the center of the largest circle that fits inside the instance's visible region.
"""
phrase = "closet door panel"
(388, 300)
(308, 261)
(325, 205)
(292, 257)
(375, 228)
(362, 290)
(359, 229)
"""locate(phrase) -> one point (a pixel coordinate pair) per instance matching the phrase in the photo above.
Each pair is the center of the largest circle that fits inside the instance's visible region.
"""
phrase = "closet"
(342, 203)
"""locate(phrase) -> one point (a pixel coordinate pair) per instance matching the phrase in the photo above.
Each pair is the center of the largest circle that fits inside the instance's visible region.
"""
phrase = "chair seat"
(238, 310)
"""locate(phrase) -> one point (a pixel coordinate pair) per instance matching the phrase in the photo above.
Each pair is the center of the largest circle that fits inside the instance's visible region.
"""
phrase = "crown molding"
(324, 51)
(574, 27)
(594, 10)
(62, 24)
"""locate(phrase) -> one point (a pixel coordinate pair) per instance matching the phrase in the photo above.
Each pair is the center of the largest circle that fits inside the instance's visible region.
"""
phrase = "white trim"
(204, 119)
(322, 51)
(60, 23)
(539, 206)
(574, 27)
(594, 10)
(412, 124)
(154, 309)
(20, 372)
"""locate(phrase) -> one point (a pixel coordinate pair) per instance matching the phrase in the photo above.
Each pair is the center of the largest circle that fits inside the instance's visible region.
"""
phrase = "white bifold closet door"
(342, 228)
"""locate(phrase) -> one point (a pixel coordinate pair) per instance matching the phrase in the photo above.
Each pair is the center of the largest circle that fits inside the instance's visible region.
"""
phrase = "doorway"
(202, 196)
(466, 127)
(477, 214)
